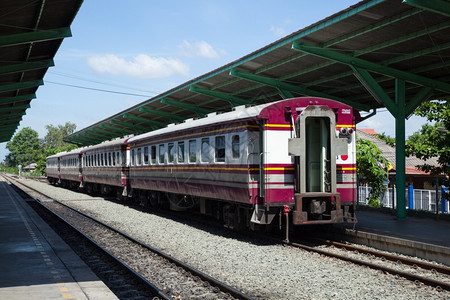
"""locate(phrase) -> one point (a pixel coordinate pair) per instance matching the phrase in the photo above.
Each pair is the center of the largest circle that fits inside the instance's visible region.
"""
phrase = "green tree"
(55, 135)
(24, 147)
(370, 167)
(433, 140)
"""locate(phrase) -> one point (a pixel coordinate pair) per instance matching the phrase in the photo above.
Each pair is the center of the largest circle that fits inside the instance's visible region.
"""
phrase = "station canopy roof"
(355, 56)
(30, 35)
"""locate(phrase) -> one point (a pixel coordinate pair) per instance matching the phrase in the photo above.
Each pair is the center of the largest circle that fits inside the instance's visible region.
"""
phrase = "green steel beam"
(375, 67)
(162, 114)
(105, 132)
(17, 98)
(380, 24)
(26, 66)
(378, 47)
(233, 100)
(35, 36)
(285, 93)
(22, 113)
(95, 135)
(421, 96)
(436, 6)
(198, 110)
(400, 148)
(375, 89)
(144, 120)
(19, 107)
(86, 137)
(8, 127)
(120, 130)
(287, 86)
(8, 121)
(21, 85)
(136, 128)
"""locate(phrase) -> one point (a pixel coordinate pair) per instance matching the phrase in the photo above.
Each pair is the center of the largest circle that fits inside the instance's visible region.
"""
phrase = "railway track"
(417, 271)
(168, 277)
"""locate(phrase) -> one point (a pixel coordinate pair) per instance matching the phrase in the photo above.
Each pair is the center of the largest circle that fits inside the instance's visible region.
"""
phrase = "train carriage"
(53, 168)
(296, 154)
(65, 168)
(105, 167)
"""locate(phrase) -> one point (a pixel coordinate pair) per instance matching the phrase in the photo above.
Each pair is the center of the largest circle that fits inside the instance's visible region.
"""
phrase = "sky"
(122, 53)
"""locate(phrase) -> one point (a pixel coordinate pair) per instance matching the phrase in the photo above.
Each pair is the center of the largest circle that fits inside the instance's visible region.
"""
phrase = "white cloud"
(278, 31)
(140, 66)
(200, 48)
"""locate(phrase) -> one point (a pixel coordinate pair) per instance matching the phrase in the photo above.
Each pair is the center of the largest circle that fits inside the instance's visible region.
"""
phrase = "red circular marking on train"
(344, 157)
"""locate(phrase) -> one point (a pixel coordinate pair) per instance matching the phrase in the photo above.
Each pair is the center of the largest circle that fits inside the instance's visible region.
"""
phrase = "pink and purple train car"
(294, 157)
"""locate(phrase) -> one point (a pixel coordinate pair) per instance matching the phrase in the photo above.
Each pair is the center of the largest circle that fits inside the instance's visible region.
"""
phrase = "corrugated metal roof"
(353, 56)
(30, 35)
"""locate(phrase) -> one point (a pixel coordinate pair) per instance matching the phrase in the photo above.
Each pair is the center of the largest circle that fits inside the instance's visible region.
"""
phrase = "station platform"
(426, 238)
(35, 263)
(422, 230)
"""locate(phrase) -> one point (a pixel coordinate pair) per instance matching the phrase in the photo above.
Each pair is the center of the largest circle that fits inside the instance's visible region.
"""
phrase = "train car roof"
(107, 144)
(239, 113)
(65, 153)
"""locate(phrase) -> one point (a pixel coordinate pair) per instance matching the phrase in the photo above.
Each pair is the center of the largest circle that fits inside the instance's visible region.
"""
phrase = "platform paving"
(424, 230)
(35, 263)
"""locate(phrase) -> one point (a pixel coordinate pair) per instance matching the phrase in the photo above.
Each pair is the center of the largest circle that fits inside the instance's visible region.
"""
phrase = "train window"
(133, 158)
(171, 152)
(181, 152)
(205, 150)
(139, 156)
(119, 163)
(145, 155)
(162, 150)
(113, 159)
(192, 151)
(220, 148)
(109, 159)
(153, 154)
(235, 146)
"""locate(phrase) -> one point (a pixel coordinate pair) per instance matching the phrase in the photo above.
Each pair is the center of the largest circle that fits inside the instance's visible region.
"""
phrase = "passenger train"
(293, 158)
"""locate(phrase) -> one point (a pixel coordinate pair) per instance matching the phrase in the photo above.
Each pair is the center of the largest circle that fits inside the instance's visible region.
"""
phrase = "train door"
(315, 149)
(318, 167)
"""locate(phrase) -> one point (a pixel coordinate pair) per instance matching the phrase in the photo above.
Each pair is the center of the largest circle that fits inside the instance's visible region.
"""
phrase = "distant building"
(30, 167)
(415, 177)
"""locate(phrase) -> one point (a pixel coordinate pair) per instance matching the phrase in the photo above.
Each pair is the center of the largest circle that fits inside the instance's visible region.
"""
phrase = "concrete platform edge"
(94, 288)
(411, 248)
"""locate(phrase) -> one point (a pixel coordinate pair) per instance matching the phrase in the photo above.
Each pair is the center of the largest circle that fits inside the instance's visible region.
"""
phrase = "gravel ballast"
(265, 271)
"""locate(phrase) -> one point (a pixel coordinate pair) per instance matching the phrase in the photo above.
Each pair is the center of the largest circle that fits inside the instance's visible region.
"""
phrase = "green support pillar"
(400, 148)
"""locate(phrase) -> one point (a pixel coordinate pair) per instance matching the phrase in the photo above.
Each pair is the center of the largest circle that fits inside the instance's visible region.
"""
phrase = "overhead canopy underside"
(355, 56)
(30, 35)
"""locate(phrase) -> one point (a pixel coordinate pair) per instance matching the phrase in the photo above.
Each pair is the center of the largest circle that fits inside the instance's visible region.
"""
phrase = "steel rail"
(144, 281)
(428, 281)
(214, 282)
(390, 257)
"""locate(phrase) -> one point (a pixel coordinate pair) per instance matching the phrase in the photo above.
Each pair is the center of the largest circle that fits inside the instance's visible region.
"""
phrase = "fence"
(415, 199)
